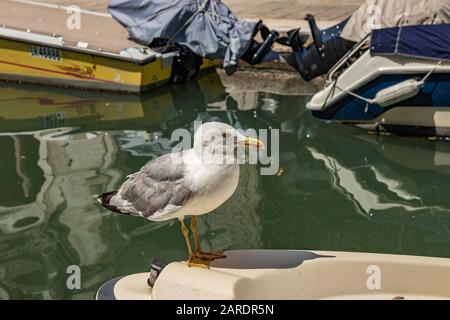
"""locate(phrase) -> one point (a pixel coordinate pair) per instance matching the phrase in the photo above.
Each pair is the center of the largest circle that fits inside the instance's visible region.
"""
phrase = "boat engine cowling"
(259, 52)
(327, 49)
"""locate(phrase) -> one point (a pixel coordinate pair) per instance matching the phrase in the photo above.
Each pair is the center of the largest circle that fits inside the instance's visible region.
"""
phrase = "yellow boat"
(70, 47)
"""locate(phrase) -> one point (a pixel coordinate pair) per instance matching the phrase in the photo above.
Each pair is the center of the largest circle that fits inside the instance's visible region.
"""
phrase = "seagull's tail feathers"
(105, 201)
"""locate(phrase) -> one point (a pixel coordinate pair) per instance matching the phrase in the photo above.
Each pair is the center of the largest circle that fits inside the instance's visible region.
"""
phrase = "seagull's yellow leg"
(194, 228)
(198, 247)
(193, 260)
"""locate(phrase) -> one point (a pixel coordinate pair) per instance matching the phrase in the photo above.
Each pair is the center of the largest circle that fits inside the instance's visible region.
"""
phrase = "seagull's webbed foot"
(198, 262)
(211, 255)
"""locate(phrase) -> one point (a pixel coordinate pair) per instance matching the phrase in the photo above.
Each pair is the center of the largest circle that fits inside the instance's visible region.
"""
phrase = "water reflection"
(341, 189)
(360, 179)
(54, 217)
(63, 147)
(393, 181)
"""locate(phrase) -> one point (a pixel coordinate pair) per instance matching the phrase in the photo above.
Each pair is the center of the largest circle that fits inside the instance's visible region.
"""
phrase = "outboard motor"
(186, 66)
(262, 52)
(327, 49)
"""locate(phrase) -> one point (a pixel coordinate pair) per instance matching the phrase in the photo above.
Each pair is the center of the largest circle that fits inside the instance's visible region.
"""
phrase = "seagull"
(190, 182)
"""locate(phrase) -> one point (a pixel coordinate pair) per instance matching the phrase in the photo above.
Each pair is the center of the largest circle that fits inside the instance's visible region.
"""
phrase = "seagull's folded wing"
(157, 190)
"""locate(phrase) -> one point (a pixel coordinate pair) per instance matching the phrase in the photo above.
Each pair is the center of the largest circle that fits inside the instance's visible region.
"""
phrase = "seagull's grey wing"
(158, 189)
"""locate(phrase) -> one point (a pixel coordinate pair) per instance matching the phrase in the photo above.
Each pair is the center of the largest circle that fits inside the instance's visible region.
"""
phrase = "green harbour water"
(342, 189)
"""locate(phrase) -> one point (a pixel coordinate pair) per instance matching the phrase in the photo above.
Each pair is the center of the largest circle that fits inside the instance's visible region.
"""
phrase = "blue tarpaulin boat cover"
(207, 27)
(422, 41)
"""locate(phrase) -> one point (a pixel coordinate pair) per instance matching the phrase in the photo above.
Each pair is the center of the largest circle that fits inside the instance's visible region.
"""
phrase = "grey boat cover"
(377, 14)
(207, 27)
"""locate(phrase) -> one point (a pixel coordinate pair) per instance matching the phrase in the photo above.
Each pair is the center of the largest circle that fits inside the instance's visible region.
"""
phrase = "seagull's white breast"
(211, 184)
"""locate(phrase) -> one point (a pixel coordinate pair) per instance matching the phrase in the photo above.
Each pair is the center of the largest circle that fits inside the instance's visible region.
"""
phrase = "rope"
(213, 8)
(370, 101)
(431, 72)
(200, 8)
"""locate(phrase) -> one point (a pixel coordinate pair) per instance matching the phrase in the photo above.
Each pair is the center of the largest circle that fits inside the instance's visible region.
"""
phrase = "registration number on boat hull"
(45, 52)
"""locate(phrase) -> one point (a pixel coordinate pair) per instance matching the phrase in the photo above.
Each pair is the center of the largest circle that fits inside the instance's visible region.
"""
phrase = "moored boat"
(66, 46)
(397, 82)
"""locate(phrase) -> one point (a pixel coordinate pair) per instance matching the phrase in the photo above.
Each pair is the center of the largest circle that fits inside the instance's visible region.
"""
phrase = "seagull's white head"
(219, 141)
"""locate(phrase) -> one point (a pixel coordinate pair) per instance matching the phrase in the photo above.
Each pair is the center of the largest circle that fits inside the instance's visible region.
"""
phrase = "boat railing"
(357, 48)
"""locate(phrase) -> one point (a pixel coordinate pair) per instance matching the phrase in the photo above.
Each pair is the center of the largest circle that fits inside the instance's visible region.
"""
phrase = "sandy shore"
(279, 14)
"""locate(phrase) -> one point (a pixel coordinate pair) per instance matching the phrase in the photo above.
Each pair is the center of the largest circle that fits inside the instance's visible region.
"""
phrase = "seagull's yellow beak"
(254, 142)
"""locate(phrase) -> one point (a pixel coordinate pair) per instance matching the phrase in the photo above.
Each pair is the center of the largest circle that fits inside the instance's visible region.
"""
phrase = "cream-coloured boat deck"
(98, 30)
